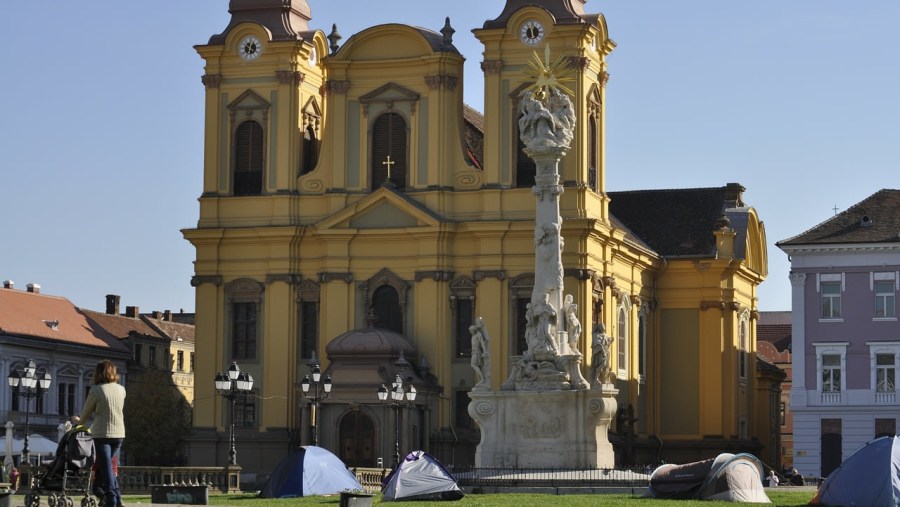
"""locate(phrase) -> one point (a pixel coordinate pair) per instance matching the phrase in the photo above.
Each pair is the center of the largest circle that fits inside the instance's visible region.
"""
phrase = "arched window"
(622, 341)
(249, 142)
(310, 150)
(389, 150)
(386, 306)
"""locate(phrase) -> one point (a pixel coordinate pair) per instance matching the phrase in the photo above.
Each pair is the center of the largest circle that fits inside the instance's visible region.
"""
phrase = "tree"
(157, 418)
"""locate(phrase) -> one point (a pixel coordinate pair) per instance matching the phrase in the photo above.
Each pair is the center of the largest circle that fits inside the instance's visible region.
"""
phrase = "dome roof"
(370, 342)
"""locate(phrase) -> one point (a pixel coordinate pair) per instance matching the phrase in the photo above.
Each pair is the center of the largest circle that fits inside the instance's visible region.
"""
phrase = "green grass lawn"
(784, 497)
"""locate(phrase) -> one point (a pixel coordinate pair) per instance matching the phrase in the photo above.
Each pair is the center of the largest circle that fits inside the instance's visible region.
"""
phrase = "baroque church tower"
(357, 215)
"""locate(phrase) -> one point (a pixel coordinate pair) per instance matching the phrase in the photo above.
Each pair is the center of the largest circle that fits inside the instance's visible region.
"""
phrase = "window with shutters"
(389, 146)
(249, 141)
(248, 119)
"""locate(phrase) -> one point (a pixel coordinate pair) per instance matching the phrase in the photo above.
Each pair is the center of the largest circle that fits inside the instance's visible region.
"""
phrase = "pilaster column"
(798, 339)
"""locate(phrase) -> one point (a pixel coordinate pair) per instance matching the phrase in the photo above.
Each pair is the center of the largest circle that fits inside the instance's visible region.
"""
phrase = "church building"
(357, 215)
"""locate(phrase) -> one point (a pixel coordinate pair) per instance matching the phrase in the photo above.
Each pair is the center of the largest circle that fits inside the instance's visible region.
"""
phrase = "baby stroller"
(69, 472)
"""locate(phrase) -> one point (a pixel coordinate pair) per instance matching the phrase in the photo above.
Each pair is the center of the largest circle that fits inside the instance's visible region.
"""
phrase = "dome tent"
(309, 471)
(870, 476)
(420, 477)
(729, 477)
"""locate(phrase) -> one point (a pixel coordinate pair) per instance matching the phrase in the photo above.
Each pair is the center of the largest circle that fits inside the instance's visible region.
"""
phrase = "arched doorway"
(357, 437)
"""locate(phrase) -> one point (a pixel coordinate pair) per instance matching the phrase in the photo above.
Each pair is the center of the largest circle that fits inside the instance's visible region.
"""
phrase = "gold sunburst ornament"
(547, 76)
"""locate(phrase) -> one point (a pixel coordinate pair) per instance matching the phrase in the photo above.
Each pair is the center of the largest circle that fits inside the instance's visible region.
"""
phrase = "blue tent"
(309, 471)
(870, 477)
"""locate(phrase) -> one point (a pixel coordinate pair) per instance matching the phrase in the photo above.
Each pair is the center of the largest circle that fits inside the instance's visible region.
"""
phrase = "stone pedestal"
(544, 429)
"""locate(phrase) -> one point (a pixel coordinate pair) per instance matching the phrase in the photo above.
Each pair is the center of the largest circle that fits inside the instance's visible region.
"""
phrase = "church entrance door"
(357, 437)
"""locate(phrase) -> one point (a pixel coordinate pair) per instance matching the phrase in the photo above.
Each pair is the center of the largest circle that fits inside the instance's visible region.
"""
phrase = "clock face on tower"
(531, 32)
(250, 48)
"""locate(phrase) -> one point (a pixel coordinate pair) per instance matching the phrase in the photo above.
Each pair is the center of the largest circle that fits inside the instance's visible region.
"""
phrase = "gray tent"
(728, 477)
(420, 477)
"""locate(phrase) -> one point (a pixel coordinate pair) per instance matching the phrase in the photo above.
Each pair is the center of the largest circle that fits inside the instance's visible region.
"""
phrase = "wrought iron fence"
(551, 477)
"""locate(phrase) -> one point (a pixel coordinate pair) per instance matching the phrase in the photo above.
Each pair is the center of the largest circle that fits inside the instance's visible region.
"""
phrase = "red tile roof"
(35, 315)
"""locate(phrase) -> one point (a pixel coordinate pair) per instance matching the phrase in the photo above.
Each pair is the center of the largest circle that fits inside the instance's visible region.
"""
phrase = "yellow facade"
(321, 231)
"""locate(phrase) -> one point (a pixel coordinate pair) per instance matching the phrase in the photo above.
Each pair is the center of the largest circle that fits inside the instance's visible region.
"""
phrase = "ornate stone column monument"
(546, 414)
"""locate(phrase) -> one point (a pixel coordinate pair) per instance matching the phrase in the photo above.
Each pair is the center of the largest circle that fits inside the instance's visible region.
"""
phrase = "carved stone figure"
(546, 126)
(600, 344)
(544, 325)
(481, 355)
(573, 325)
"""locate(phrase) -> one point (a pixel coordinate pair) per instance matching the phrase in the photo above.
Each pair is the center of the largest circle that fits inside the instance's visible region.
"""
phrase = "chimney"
(156, 314)
(132, 311)
(112, 304)
(734, 194)
(8, 284)
(33, 287)
(167, 315)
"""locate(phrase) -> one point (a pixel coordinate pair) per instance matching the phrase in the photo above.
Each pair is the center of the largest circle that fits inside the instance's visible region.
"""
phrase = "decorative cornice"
(436, 275)
(285, 277)
(499, 274)
(330, 276)
(580, 274)
(798, 279)
(754, 314)
(338, 87)
(492, 66)
(211, 80)
(577, 62)
(198, 280)
(706, 305)
(290, 77)
(435, 82)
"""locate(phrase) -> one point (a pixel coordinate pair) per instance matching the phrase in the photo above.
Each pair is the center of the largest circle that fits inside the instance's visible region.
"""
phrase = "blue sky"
(101, 146)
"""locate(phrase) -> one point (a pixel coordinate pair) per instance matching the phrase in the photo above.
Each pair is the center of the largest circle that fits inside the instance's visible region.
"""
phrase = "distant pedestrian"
(772, 479)
(105, 402)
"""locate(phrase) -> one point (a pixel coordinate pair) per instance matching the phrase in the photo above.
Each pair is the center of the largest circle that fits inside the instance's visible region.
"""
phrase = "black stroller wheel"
(88, 501)
(52, 500)
(70, 502)
(32, 500)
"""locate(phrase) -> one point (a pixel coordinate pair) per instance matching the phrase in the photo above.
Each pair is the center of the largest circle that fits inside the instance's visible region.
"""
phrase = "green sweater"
(105, 403)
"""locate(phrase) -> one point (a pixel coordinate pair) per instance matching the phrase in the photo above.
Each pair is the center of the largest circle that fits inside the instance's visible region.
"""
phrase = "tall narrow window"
(151, 353)
(525, 167)
(463, 419)
(243, 330)
(831, 373)
(622, 341)
(831, 300)
(592, 153)
(65, 399)
(310, 150)
(389, 150)
(180, 360)
(642, 345)
(138, 349)
(884, 299)
(386, 305)
(521, 322)
(464, 319)
(742, 348)
(309, 328)
(192, 362)
(249, 142)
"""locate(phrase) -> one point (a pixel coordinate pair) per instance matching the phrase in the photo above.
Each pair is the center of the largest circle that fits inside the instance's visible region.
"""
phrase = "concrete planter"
(349, 499)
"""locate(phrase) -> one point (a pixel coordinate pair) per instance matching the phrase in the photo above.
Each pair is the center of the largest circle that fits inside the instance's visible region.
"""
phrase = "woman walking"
(105, 402)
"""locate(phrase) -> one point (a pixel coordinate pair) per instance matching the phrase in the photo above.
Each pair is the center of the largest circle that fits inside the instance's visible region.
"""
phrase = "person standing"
(105, 402)
(772, 479)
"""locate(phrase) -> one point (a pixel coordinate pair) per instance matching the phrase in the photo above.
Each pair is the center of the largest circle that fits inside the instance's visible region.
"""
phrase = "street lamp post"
(397, 394)
(29, 384)
(231, 384)
(322, 390)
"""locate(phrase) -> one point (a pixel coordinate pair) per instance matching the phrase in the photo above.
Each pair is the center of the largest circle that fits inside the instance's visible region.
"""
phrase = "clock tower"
(521, 33)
